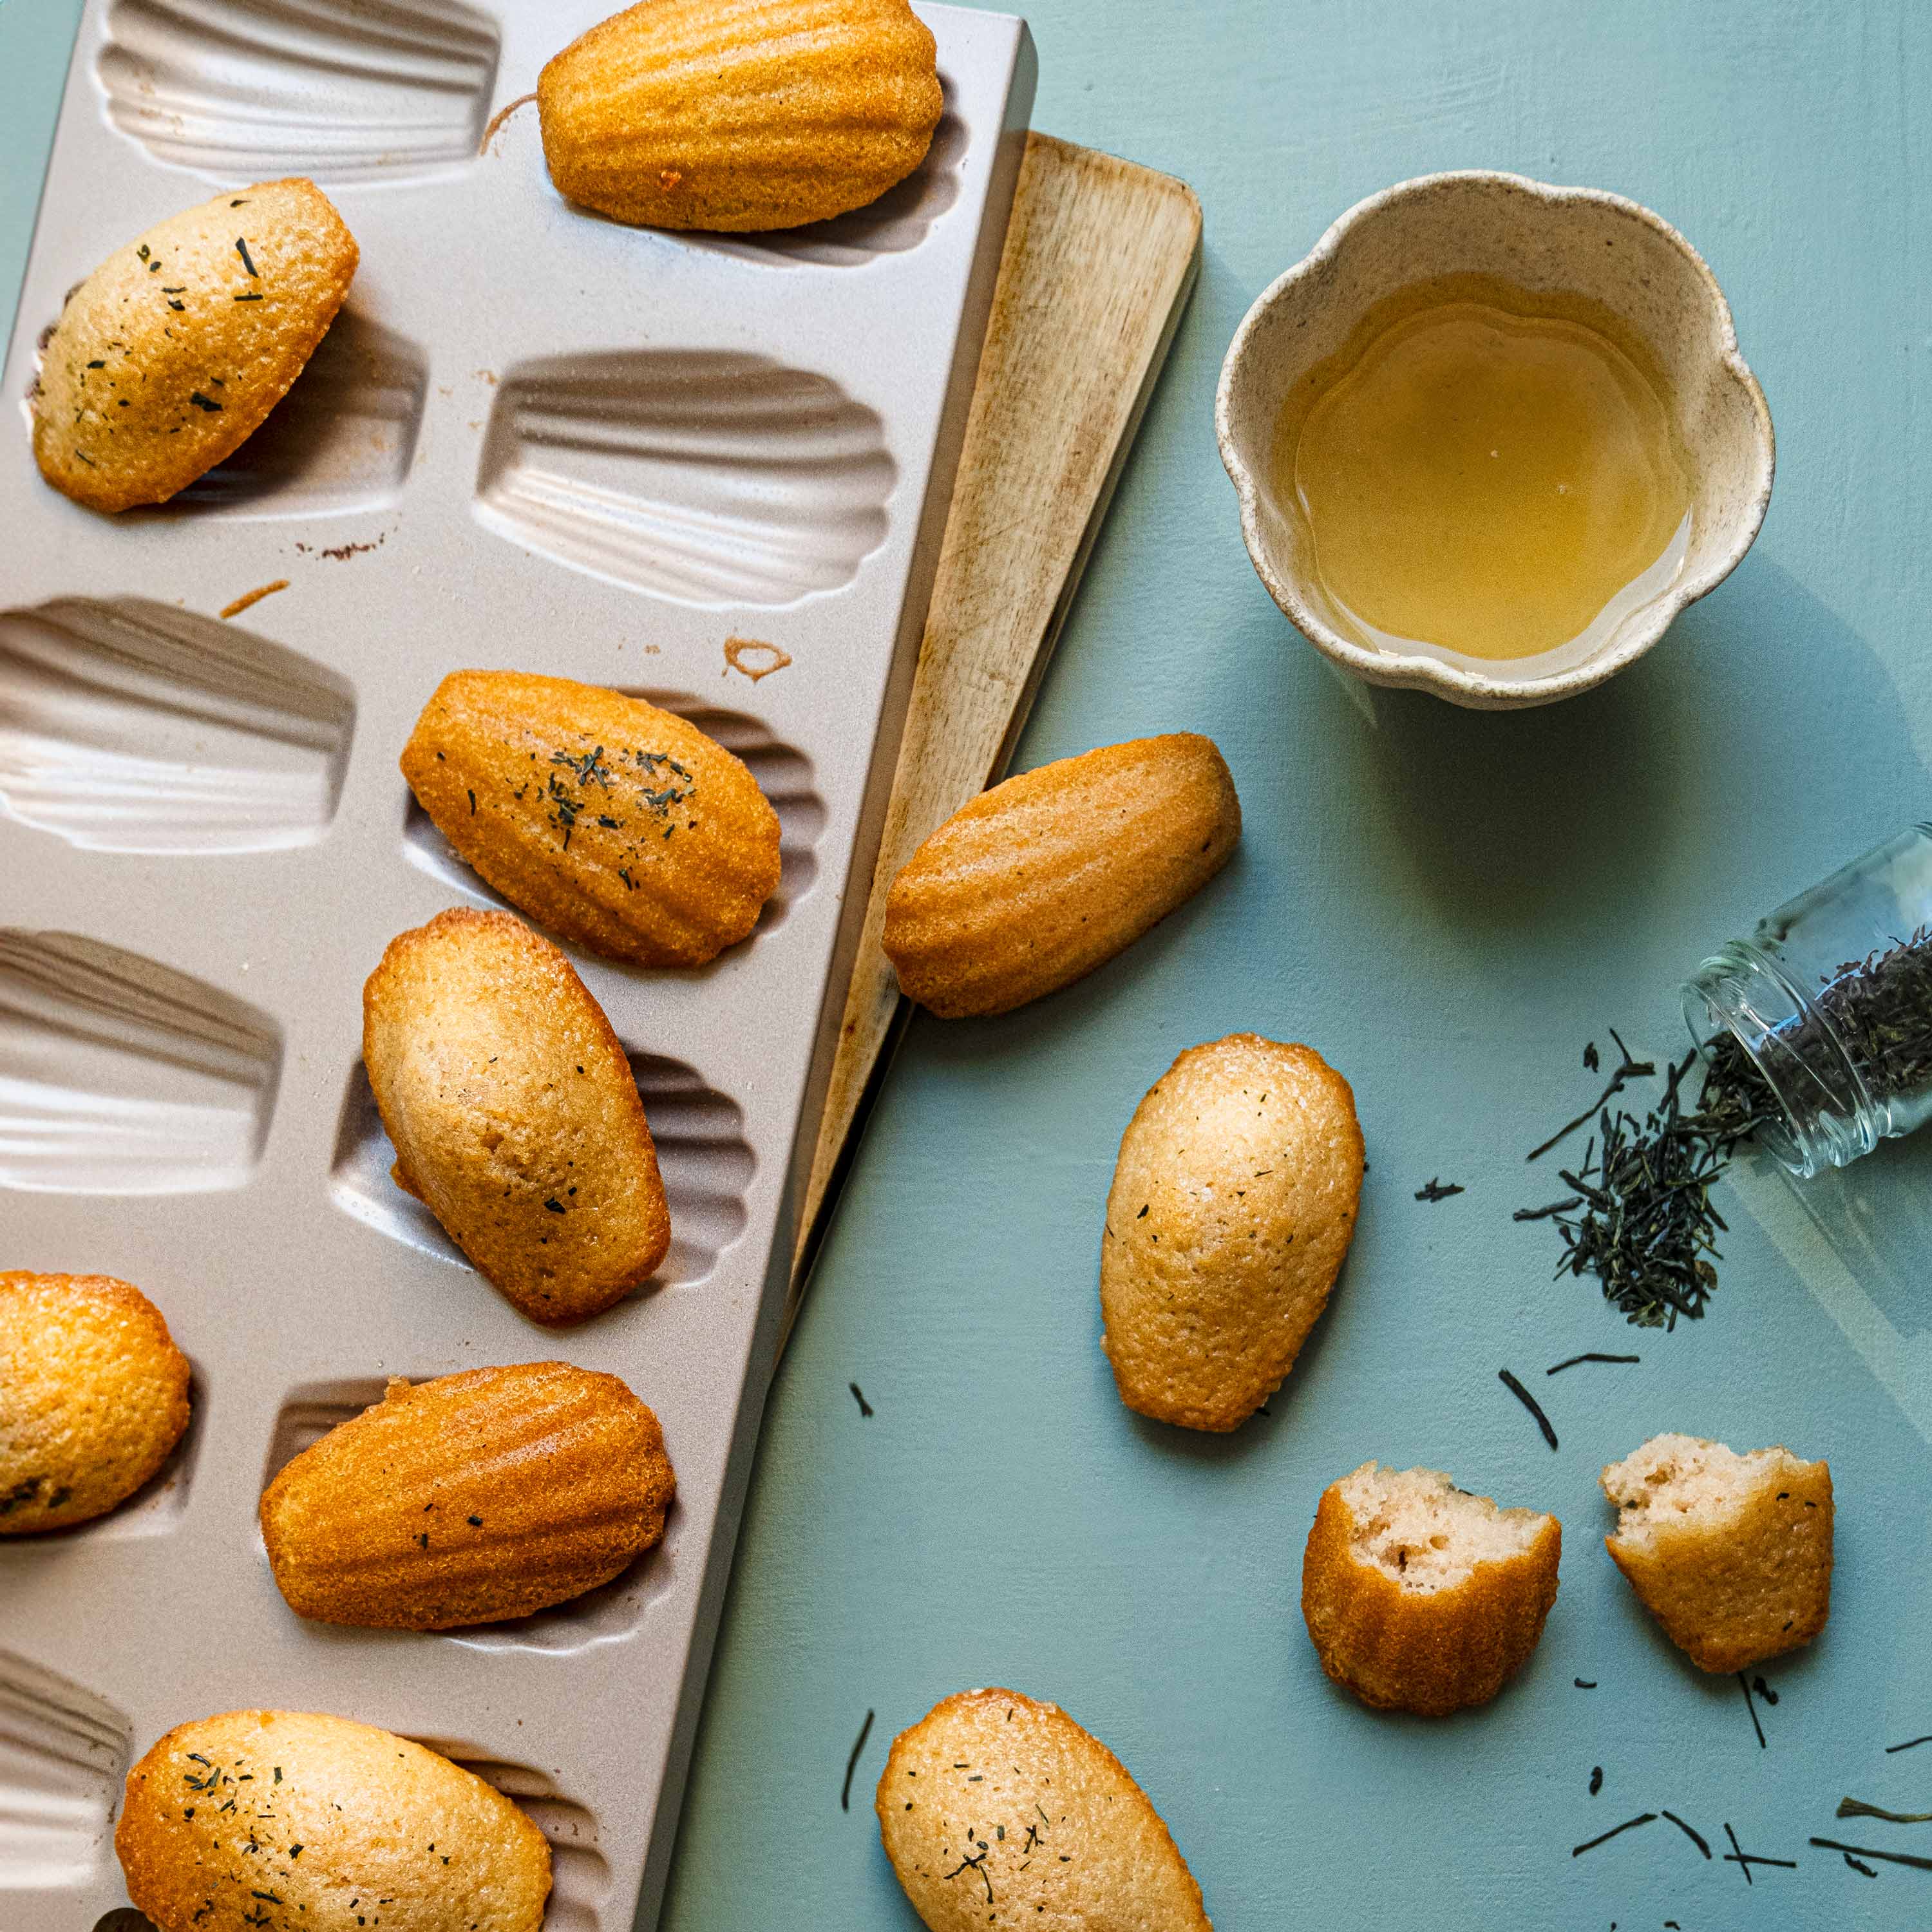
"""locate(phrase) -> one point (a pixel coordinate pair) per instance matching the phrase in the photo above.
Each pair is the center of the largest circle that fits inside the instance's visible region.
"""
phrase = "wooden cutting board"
(1101, 255)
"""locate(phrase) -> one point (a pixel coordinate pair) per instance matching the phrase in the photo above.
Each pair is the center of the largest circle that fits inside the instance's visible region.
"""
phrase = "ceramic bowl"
(1579, 242)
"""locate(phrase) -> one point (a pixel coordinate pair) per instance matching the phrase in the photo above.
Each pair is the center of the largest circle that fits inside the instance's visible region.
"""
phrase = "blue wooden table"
(1449, 905)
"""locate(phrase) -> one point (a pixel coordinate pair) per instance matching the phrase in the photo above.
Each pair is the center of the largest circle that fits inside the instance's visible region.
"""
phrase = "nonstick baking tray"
(709, 470)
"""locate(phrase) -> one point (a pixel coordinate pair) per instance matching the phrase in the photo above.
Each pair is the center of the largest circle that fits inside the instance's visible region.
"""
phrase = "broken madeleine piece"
(1731, 1554)
(1044, 1819)
(1420, 1597)
(171, 355)
(619, 826)
(740, 115)
(1034, 883)
(514, 1114)
(469, 1499)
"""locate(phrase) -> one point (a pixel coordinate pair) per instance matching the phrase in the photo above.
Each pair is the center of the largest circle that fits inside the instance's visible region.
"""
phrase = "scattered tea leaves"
(1615, 1832)
(1866, 1852)
(852, 1763)
(1696, 1836)
(1529, 1402)
(1744, 1684)
(1743, 1860)
(1639, 1218)
(1856, 1807)
(1439, 1190)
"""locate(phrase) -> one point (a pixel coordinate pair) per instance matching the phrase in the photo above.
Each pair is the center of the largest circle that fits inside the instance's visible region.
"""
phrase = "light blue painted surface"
(1448, 905)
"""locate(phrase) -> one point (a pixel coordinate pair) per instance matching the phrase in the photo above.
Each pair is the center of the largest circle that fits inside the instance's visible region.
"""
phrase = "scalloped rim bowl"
(1579, 241)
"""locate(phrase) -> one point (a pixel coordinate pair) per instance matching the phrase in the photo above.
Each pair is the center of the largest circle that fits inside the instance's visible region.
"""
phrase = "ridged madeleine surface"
(471, 1498)
(172, 352)
(617, 825)
(1233, 1204)
(998, 1810)
(513, 1113)
(93, 1396)
(740, 114)
(1045, 876)
(1419, 1596)
(284, 1821)
(1732, 1553)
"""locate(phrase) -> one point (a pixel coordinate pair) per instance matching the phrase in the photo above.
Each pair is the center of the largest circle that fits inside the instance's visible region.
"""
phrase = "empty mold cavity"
(702, 1155)
(63, 1754)
(783, 776)
(342, 440)
(579, 1898)
(118, 1076)
(340, 90)
(128, 726)
(900, 219)
(710, 478)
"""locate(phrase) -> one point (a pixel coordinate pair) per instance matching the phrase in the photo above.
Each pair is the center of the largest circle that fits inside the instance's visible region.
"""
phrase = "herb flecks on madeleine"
(490, 1494)
(995, 1808)
(740, 115)
(617, 825)
(514, 1114)
(255, 1821)
(171, 355)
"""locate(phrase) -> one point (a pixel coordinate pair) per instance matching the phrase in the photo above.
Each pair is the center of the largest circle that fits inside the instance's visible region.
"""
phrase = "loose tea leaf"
(1856, 1807)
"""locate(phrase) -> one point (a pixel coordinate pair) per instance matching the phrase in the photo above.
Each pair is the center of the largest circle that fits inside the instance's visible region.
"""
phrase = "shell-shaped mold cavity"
(128, 726)
(579, 1898)
(119, 1075)
(708, 477)
(241, 91)
(63, 1754)
(705, 1160)
(612, 1610)
(342, 440)
(784, 774)
(900, 219)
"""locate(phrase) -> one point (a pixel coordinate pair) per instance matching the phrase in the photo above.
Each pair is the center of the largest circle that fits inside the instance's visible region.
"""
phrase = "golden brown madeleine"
(513, 1113)
(93, 1397)
(619, 826)
(474, 1497)
(271, 1819)
(740, 114)
(1049, 874)
(997, 1810)
(1233, 1204)
(1419, 1596)
(1731, 1554)
(169, 355)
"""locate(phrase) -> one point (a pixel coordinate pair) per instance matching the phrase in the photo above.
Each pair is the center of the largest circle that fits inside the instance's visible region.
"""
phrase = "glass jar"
(1824, 1015)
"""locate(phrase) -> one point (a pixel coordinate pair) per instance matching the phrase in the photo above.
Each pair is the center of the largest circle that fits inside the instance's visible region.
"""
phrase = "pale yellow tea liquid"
(1485, 481)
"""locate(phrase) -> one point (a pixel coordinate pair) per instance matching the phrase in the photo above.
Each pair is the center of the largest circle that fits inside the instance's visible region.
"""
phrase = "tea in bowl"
(1490, 437)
